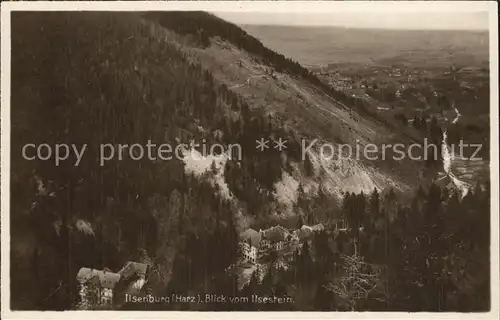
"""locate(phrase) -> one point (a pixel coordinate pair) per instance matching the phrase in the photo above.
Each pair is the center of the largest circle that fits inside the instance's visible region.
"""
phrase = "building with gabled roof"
(276, 233)
(106, 279)
(305, 232)
(318, 227)
(275, 237)
(252, 237)
(133, 268)
(134, 276)
(104, 288)
(96, 287)
(250, 243)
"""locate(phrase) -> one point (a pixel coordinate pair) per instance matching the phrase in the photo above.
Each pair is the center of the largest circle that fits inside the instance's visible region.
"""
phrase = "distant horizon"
(404, 21)
(357, 28)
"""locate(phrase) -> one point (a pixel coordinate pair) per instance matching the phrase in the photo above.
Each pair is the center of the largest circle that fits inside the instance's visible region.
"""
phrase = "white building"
(250, 243)
(96, 287)
(99, 290)
(307, 232)
(275, 237)
(249, 252)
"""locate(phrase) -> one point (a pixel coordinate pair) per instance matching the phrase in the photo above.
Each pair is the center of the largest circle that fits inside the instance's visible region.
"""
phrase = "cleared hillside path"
(247, 81)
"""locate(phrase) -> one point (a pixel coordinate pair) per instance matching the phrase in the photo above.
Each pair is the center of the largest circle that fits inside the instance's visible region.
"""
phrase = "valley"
(275, 222)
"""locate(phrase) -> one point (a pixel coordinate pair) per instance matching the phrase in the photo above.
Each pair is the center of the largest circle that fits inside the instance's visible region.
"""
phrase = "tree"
(304, 264)
(323, 298)
(354, 210)
(268, 280)
(358, 282)
(323, 253)
(300, 221)
(91, 297)
(373, 211)
(374, 203)
(310, 218)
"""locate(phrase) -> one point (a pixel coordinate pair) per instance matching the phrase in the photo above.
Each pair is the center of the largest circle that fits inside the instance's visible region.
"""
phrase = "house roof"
(252, 236)
(304, 232)
(106, 279)
(132, 268)
(276, 233)
(307, 231)
(318, 227)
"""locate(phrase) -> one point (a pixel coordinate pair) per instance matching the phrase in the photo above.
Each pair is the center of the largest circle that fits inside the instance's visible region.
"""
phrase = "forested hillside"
(85, 92)
(101, 78)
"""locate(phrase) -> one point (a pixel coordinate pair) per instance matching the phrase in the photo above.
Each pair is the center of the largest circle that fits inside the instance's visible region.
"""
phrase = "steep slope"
(297, 100)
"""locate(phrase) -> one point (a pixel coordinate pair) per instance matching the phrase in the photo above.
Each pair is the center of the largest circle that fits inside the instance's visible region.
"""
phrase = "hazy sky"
(390, 20)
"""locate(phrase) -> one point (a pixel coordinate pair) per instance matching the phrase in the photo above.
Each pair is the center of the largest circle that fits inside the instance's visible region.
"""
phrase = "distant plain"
(317, 46)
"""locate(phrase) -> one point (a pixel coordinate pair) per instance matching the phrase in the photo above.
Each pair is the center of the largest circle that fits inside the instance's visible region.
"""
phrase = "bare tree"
(357, 281)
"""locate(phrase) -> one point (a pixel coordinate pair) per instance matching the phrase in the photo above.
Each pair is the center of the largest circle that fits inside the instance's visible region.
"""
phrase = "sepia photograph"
(231, 156)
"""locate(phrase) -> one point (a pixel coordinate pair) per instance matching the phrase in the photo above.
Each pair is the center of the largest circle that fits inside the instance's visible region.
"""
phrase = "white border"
(257, 6)
(249, 6)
